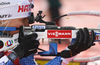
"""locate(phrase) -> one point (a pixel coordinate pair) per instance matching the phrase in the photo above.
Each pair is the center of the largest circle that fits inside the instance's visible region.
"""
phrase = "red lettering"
(59, 34)
(21, 8)
(24, 8)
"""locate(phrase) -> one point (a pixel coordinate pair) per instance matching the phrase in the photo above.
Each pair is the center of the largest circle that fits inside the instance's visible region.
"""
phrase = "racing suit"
(29, 60)
(11, 58)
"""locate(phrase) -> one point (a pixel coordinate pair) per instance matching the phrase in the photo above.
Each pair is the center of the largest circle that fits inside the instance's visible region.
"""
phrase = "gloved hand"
(83, 42)
(28, 44)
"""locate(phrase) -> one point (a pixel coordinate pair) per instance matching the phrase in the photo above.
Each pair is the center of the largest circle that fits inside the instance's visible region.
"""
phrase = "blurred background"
(53, 8)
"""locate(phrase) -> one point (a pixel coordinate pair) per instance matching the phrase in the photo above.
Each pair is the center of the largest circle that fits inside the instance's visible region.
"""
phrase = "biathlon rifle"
(48, 31)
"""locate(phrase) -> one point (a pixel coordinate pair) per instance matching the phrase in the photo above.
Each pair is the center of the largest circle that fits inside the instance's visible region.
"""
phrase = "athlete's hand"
(28, 44)
(83, 42)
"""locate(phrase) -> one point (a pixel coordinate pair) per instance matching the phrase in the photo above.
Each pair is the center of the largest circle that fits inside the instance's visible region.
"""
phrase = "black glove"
(28, 44)
(83, 42)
